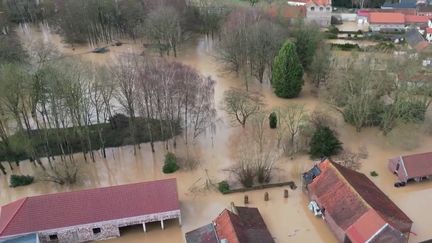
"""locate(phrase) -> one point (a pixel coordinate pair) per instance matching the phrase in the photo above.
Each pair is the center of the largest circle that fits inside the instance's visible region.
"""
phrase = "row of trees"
(164, 23)
(52, 105)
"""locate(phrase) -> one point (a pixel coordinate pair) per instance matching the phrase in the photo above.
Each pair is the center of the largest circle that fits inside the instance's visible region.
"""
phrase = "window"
(321, 8)
(53, 237)
(96, 230)
(312, 8)
(328, 8)
(397, 166)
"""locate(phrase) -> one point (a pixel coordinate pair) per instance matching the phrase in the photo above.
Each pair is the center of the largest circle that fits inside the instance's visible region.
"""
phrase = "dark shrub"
(170, 165)
(223, 186)
(374, 173)
(333, 30)
(119, 121)
(324, 143)
(273, 120)
(20, 180)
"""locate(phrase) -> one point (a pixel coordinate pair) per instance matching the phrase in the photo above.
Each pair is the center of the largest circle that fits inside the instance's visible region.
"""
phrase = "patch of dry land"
(287, 219)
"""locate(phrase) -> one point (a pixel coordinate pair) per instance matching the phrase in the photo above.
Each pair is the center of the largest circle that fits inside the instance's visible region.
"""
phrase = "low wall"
(108, 229)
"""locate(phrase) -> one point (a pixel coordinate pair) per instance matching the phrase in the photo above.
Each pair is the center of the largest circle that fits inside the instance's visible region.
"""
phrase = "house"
(425, 10)
(94, 214)
(318, 11)
(287, 12)
(415, 20)
(241, 225)
(392, 22)
(354, 208)
(412, 167)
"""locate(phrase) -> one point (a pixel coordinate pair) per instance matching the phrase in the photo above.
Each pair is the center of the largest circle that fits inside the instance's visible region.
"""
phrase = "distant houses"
(318, 11)
(354, 208)
(415, 167)
(241, 225)
(88, 215)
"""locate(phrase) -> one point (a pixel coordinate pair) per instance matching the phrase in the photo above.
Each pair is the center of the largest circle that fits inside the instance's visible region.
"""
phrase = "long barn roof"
(53, 211)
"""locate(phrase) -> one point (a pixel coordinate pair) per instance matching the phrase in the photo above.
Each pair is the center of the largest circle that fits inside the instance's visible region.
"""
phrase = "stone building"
(93, 214)
(318, 11)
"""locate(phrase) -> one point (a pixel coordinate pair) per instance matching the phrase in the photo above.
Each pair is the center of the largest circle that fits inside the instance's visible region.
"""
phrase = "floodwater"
(287, 219)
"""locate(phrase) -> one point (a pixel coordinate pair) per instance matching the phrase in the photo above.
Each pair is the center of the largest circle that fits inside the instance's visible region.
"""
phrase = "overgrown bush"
(223, 186)
(324, 143)
(170, 165)
(333, 30)
(374, 173)
(20, 180)
(119, 121)
(273, 120)
(346, 46)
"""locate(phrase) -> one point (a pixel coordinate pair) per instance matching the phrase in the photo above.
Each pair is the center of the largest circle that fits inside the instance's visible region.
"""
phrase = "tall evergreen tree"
(287, 77)
(324, 143)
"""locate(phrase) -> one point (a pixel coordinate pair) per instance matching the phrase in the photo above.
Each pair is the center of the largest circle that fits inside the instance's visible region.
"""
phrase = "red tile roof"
(414, 19)
(386, 18)
(429, 30)
(247, 226)
(347, 195)
(52, 211)
(418, 165)
(365, 227)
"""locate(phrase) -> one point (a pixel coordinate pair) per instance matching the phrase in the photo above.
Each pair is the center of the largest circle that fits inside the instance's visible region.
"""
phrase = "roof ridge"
(351, 186)
(101, 188)
(228, 212)
(14, 214)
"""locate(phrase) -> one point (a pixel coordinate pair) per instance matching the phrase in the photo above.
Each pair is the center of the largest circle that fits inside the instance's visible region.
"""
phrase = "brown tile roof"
(415, 19)
(204, 234)
(247, 226)
(386, 18)
(418, 165)
(347, 195)
(53, 211)
(388, 235)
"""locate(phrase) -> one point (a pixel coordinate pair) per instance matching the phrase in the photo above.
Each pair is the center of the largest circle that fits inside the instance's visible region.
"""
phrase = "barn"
(93, 214)
(415, 167)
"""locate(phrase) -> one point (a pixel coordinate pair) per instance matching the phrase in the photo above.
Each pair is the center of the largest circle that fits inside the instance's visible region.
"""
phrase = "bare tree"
(295, 117)
(163, 27)
(240, 105)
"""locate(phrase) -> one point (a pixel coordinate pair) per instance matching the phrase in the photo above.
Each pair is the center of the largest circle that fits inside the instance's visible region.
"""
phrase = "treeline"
(163, 23)
(53, 105)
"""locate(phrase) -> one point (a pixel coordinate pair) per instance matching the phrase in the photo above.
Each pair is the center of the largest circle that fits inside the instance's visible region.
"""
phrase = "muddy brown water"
(287, 219)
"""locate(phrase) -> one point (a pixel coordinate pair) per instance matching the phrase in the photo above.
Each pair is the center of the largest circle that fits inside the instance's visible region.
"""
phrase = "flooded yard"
(287, 219)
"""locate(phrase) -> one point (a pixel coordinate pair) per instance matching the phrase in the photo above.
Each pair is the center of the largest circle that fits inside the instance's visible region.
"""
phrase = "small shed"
(412, 167)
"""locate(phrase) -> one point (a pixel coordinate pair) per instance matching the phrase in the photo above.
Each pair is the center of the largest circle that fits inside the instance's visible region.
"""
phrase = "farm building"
(354, 208)
(93, 214)
(241, 225)
(412, 167)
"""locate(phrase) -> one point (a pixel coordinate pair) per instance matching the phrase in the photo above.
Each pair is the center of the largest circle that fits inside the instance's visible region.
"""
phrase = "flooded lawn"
(288, 219)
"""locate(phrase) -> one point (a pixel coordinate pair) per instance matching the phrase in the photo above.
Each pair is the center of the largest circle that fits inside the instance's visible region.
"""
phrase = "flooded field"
(288, 219)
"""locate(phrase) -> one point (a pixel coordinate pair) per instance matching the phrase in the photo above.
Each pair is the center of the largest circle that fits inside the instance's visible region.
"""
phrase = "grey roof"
(425, 8)
(205, 234)
(389, 235)
(413, 37)
(402, 5)
(30, 238)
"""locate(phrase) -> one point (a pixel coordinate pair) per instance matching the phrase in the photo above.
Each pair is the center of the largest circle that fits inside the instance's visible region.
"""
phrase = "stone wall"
(108, 229)
(319, 14)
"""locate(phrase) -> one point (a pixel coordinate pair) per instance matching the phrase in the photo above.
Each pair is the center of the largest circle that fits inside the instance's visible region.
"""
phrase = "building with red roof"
(355, 209)
(94, 214)
(412, 167)
(393, 22)
(241, 225)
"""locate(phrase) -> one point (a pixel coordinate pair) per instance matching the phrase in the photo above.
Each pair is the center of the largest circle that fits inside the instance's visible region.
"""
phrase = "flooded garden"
(288, 219)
